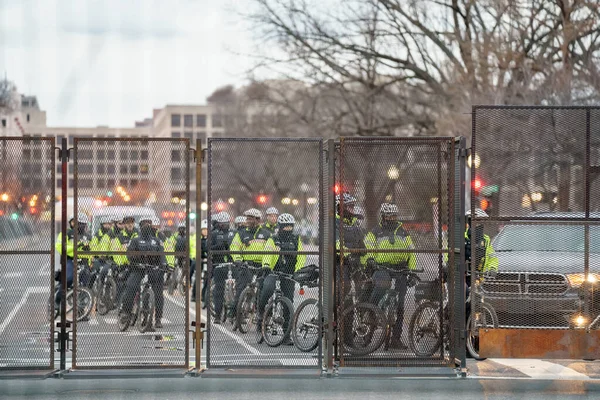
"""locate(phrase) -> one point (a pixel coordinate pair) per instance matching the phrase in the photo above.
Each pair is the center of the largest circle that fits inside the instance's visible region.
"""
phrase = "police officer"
(283, 240)
(252, 238)
(203, 256)
(101, 242)
(220, 240)
(389, 235)
(485, 257)
(120, 243)
(271, 224)
(146, 242)
(83, 241)
(239, 222)
(348, 222)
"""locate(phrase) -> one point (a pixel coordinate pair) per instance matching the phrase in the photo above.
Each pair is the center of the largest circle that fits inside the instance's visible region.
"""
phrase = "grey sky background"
(111, 62)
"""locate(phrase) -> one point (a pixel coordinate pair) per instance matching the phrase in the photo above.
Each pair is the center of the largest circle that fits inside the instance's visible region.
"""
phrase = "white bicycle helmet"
(359, 212)
(204, 224)
(222, 218)
(105, 219)
(155, 221)
(347, 198)
(240, 219)
(286, 218)
(272, 210)
(388, 209)
(479, 213)
(82, 218)
(253, 212)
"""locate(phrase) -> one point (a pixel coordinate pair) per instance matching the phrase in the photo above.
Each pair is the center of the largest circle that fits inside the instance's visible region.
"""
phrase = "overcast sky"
(111, 62)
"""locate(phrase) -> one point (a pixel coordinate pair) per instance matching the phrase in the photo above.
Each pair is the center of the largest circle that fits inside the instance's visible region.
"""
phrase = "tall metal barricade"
(27, 254)
(256, 177)
(131, 191)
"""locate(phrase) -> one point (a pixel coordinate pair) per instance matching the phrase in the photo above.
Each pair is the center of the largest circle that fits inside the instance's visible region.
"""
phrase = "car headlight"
(576, 280)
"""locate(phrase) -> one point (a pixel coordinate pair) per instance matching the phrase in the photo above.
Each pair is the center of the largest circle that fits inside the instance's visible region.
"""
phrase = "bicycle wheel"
(389, 305)
(146, 311)
(227, 314)
(425, 332)
(171, 282)
(487, 319)
(246, 310)
(105, 299)
(367, 329)
(181, 281)
(274, 327)
(212, 300)
(306, 326)
(52, 312)
(85, 303)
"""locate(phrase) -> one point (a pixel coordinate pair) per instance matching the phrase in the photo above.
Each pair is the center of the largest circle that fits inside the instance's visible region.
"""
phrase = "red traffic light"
(33, 210)
(262, 199)
(477, 184)
(336, 188)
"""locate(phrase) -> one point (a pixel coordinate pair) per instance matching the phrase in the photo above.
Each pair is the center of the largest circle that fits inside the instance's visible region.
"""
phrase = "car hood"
(545, 261)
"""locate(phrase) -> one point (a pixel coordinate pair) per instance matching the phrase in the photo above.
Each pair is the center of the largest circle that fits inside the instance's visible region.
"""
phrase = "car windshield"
(546, 238)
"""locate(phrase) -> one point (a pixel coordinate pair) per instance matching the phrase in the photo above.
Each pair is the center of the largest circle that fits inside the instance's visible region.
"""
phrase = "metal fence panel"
(415, 179)
(262, 173)
(144, 179)
(535, 175)
(27, 258)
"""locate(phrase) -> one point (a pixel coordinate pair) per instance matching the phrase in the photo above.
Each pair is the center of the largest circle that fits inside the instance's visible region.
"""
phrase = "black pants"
(242, 278)
(382, 281)
(268, 288)
(156, 279)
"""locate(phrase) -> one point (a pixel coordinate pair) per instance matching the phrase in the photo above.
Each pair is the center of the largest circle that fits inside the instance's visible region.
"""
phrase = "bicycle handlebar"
(402, 270)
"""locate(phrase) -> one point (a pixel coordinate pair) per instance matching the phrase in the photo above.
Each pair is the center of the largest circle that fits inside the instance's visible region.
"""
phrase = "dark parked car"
(540, 280)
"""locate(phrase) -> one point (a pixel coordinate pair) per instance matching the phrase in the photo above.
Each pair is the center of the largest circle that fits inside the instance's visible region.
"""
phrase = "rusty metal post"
(64, 158)
(198, 331)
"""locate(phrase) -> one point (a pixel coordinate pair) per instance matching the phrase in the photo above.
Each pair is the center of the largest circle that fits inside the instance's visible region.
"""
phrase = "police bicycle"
(105, 289)
(247, 306)
(142, 312)
(276, 321)
(228, 309)
(175, 279)
(83, 297)
(390, 300)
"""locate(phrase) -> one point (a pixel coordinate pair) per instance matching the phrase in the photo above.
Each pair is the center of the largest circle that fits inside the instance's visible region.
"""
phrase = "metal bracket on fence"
(67, 155)
(59, 337)
(198, 342)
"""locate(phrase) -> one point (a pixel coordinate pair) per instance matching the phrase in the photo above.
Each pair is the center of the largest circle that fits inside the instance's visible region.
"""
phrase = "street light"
(304, 189)
(393, 173)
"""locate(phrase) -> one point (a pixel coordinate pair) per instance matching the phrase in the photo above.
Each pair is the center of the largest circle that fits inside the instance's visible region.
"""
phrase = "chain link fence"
(132, 218)
(394, 211)
(26, 252)
(535, 175)
(264, 317)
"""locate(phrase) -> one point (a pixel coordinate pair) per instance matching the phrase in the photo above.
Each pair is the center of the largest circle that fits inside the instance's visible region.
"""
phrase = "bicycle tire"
(85, 304)
(388, 304)
(171, 282)
(227, 316)
(270, 325)
(306, 332)
(472, 339)
(213, 313)
(426, 314)
(52, 312)
(364, 328)
(105, 299)
(246, 310)
(146, 311)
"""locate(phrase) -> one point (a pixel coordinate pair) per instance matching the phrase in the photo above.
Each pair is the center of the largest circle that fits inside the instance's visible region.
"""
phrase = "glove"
(266, 269)
(85, 247)
(238, 263)
(370, 266)
(412, 280)
(246, 241)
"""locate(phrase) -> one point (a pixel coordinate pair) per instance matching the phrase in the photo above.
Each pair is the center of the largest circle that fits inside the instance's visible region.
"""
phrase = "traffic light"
(262, 199)
(336, 188)
(477, 184)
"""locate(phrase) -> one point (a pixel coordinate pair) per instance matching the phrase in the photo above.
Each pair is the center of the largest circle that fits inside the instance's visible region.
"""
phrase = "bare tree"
(8, 102)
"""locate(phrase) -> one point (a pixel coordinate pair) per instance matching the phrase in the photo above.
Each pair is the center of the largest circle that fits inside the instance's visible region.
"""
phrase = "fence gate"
(27, 259)
(145, 179)
(262, 173)
(538, 171)
(415, 180)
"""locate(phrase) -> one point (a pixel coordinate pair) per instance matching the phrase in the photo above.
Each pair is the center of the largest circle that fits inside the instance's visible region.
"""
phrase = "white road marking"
(222, 329)
(540, 369)
(93, 321)
(21, 303)
(12, 275)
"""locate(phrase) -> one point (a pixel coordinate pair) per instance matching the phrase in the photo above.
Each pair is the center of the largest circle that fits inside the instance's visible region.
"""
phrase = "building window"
(175, 135)
(123, 169)
(201, 120)
(134, 183)
(134, 154)
(144, 169)
(71, 181)
(3, 122)
(100, 184)
(176, 174)
(110, 154)
(133, 169)
(175, 120)
(110, 183)
(175, 155)
(59, 139)
(28, 119)
(37, 154)
(144, 154)
(189, 135)
(85, 169)
(110, 169)
(59, 183)
(71, 140)
(86, 183)
(217, 120)
(100, 168)
(84, 154)
(58, 168)
(123, 154)
(26, 154)
(188, 120)
(70, 168)
(100, 154)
